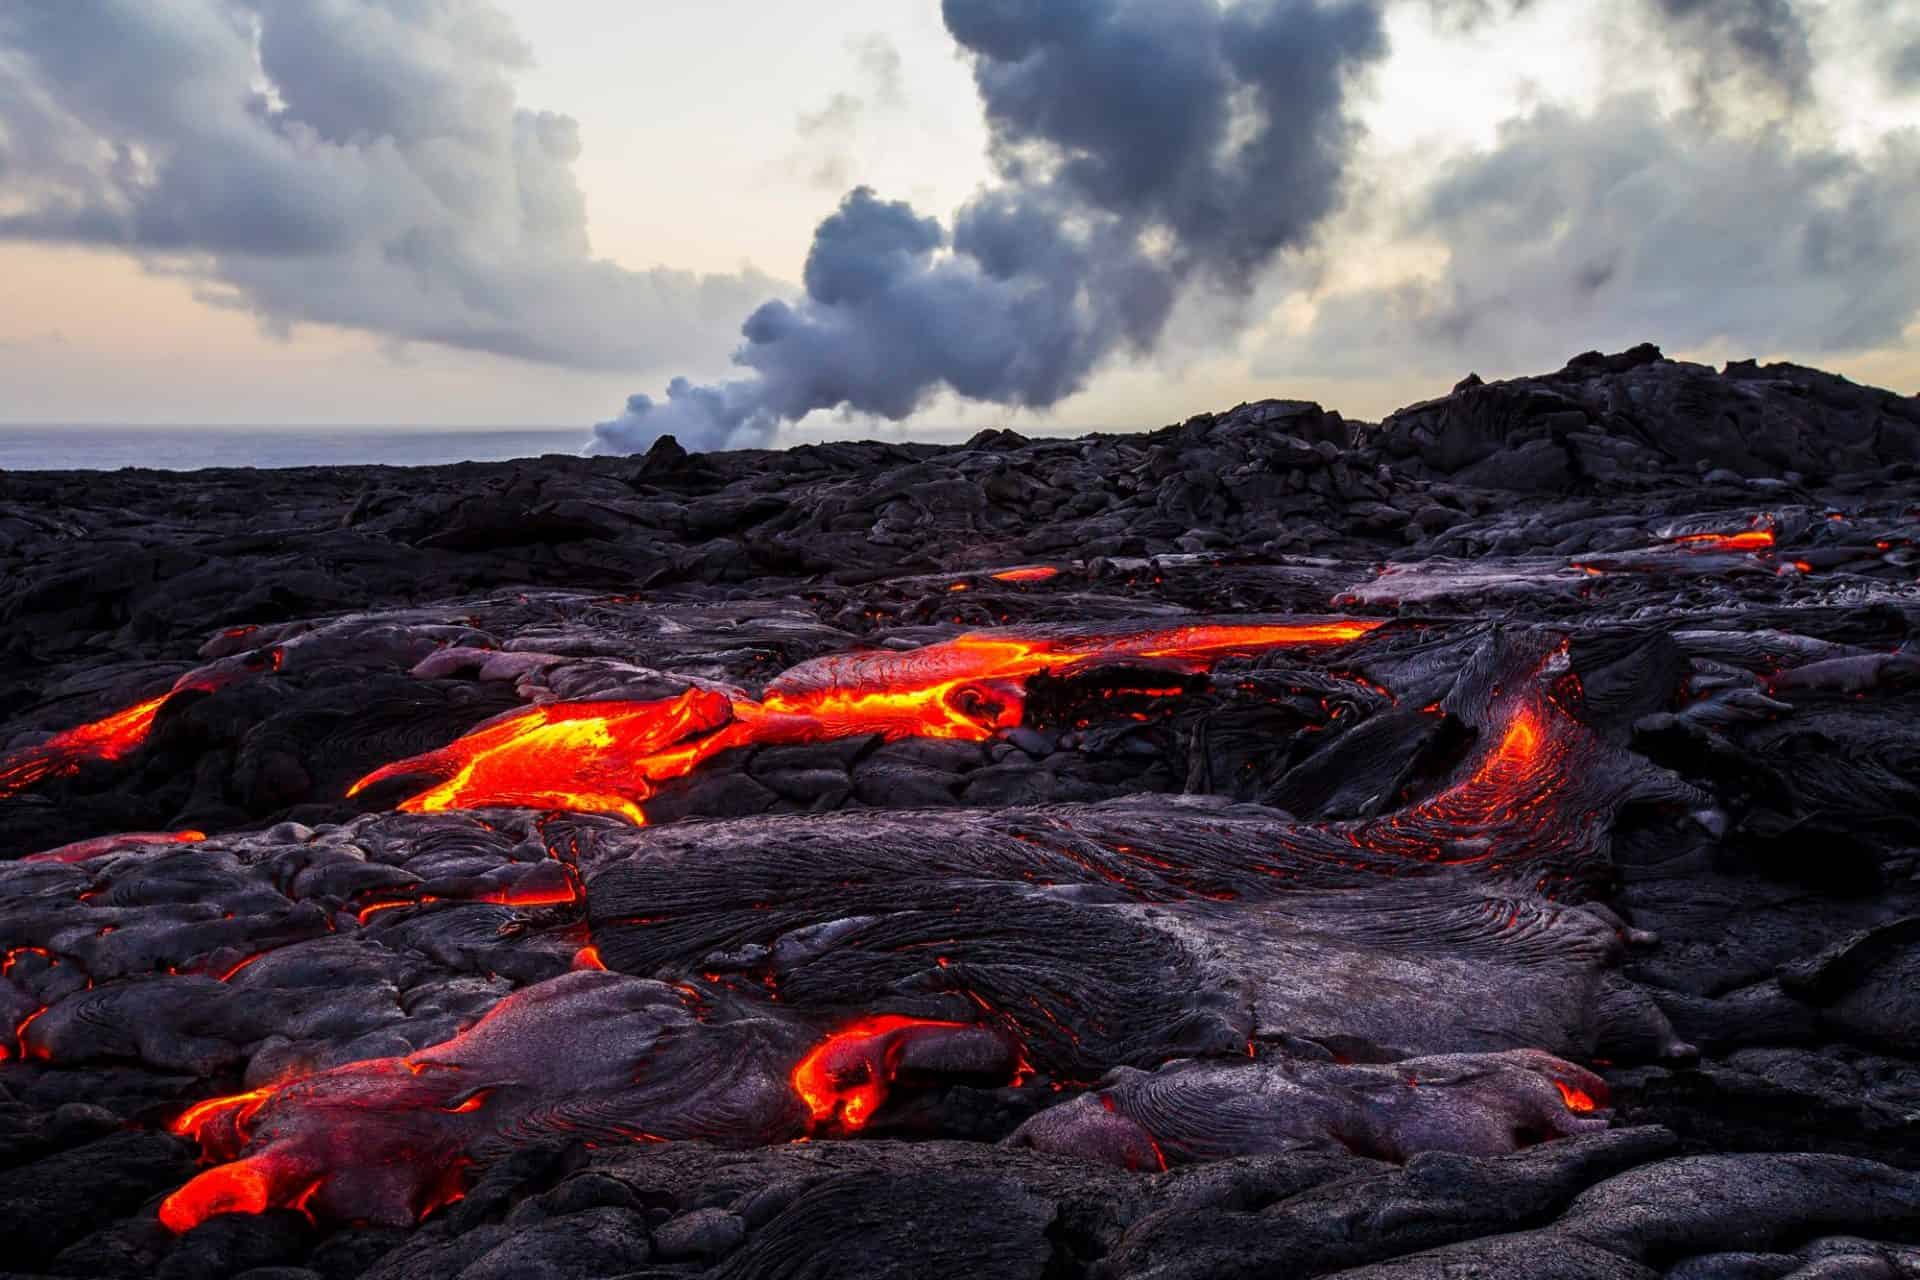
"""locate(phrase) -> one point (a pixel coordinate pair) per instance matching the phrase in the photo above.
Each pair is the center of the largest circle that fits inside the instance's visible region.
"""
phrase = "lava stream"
(610, 757)
(113, 737)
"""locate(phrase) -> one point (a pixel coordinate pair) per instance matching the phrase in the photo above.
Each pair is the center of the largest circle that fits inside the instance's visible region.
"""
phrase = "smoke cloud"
(353, 162)
(1140, 149)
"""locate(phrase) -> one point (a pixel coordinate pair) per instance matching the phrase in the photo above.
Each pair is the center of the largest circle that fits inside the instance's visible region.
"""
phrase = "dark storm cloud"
(1611, 228)
(1139, 148)
(354, 162)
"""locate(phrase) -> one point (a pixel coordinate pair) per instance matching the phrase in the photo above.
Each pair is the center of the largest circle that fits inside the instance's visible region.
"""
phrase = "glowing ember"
(845, 1077)
(610, 757)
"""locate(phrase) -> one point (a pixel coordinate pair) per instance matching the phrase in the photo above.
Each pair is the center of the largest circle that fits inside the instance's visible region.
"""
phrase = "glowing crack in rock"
(610, 757)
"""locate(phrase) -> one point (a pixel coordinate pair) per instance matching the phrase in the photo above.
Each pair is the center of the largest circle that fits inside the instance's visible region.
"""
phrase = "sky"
(748, 222)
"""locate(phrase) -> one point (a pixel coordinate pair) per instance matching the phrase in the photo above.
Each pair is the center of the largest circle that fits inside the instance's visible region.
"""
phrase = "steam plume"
(1139, 149)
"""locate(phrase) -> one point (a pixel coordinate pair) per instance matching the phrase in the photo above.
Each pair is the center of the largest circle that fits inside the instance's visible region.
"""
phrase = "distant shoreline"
(26, 447)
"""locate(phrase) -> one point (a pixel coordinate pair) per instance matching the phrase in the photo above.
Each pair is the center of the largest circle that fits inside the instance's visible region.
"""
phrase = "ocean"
(106, 448)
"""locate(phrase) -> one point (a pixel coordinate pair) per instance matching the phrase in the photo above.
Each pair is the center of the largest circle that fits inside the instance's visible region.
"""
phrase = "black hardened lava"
(1481, 843)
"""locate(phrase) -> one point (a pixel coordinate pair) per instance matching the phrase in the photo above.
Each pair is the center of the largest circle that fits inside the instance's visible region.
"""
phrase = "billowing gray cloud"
(353, 162)
(1139, 148)
(1626, 224)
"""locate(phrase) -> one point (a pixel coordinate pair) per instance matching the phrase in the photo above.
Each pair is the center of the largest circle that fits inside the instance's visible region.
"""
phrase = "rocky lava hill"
(1480, 843)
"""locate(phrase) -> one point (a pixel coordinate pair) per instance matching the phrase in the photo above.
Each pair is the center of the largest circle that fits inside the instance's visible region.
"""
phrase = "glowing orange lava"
(113, 737)
(1577, 1099)
(242, 1187)
(1036, 573)
(610, 757)
(241, 1107)
(1746, 540)
(844, 1078)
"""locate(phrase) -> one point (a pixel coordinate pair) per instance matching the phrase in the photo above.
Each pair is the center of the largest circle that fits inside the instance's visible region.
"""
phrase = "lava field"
(1477, 843)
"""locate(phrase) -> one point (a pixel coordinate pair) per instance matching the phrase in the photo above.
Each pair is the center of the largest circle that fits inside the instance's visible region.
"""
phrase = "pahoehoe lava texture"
(1480, 843)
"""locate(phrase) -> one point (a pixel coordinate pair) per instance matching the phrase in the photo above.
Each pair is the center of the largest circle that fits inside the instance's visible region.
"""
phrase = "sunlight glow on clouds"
(491, 211)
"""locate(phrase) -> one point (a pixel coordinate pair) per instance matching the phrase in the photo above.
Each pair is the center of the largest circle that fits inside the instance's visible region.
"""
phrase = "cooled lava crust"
(1480, 843)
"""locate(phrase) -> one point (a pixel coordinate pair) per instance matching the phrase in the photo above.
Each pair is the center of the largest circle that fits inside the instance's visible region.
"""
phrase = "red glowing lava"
(1578, 1100)
(237, 1108)
(610, 757)
(1758, 539)
(242, 1187)
(844, 1079)
(1034, 573)
(114, 737)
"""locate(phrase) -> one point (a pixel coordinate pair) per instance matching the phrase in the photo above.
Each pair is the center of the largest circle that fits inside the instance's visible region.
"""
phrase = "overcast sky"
(1081, 212)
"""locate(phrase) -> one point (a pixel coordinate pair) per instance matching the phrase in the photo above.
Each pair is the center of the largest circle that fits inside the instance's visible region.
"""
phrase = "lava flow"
(610, 757)
(845, 1078)
(1758, 538)
(113, 737)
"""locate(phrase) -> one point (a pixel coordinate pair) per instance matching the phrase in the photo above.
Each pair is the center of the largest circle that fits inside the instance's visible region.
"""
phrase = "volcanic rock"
(1482, 842)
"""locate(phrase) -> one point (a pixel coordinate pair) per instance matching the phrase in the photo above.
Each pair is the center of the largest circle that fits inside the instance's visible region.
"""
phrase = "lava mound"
(1477, 844)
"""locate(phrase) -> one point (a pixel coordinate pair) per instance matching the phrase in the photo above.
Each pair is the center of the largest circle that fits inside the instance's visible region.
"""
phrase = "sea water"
(108, 448)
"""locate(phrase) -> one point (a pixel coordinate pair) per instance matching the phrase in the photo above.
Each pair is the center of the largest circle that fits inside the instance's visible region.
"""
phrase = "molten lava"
(1035, 573)
(1758, 539)
(114, 737)
(844, 1079)
(1577, 1100)
(610, 757)
(237, 1108)
(242, 1187)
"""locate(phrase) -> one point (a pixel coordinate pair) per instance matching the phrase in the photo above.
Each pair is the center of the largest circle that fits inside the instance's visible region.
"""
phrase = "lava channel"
(610, 757)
